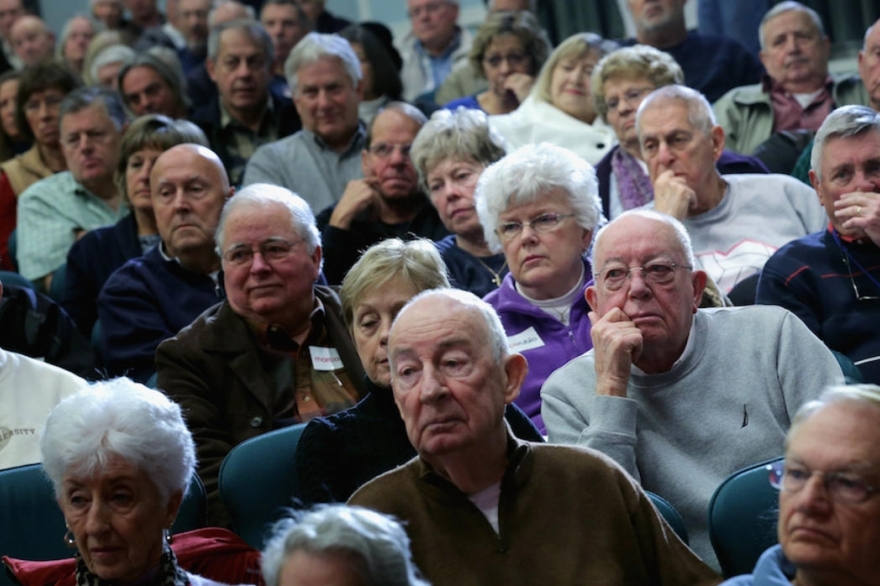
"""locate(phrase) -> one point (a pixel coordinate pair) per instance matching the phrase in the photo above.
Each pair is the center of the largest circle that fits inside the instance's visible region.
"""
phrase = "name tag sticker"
(527, 339)
(325, 358)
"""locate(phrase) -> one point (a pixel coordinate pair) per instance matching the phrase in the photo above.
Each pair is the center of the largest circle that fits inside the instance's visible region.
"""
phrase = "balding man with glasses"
(831, 279)
(679, 396)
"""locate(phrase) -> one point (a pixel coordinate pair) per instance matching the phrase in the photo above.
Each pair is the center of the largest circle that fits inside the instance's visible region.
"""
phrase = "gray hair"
(462, 134)
(865, 395)
(85, 97)
(658, 67)
(700, 114)
(495, 334)
(788, 6)
(576, 46)
(119, 418)
(110, 54)
(246, 9)
(65, 32)
(404, 108)
(166, 64)
(844, 122)
(261, 195)
(377, 544)
(253, 29)
(529, 174)
(678, 230)
(417, 262)
(315, 46)
(533, 6)
(524, 26)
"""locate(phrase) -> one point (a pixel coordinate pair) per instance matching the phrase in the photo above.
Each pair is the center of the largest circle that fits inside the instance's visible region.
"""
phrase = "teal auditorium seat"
(258, 482)
(742, 518)
(670, 515)
(10, 278)
(32, 525)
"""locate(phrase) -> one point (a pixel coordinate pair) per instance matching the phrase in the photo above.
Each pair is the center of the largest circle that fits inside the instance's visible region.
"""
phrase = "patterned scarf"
(634, 186)
(167, 574)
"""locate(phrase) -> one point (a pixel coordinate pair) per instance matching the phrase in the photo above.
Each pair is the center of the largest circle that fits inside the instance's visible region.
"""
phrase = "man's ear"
(516, 367)
(699, 283)
(592, 297)
(718, 140)
(814, 181)
(209, 66)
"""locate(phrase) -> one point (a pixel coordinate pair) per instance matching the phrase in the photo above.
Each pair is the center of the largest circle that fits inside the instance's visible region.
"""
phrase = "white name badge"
(325, 358)
(527, 339)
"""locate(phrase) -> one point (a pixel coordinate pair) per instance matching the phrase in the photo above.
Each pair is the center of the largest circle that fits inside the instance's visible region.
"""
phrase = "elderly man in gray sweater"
(679, 397)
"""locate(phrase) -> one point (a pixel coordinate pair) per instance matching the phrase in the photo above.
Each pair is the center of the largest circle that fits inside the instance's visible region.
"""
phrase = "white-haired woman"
(559, 108)
(121, 459)
(540, 206)
(340, 545)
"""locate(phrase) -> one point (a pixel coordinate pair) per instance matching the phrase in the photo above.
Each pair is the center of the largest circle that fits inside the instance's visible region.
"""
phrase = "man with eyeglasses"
(324, 75)
(150, 298)
(54, 212)
(829, 510)
(831, 278)
(432, 48)
(679, 396)
(277, 351)
(388, 202)
(736, 222)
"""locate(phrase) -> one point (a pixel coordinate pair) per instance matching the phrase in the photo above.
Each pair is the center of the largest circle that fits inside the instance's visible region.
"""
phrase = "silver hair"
(119, 418)
(463, 134)
(533, 6)
(263, 195)
(315, 46)
(65, 32)
(407, 109)
(254, 31)
(788, 6)
(247, 9)
(844, 122)
(110, 54)
(85, 97)
(166, 64)
(376, 544)
(529, 174)
(864, 395)
(495, 334)
(678, 229)
(700, 114)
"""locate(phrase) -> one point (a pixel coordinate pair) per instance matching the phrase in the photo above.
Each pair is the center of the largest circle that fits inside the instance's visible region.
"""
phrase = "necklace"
(496, 276)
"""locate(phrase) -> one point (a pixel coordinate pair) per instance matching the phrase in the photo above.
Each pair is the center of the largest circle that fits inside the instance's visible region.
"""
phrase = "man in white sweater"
(679, 397)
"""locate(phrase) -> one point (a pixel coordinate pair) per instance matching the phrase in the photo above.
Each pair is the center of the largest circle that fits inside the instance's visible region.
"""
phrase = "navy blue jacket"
(145, 302)
(90, 262)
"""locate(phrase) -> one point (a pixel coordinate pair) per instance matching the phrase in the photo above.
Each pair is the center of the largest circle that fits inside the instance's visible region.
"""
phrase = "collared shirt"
(304, 164)
(308, 375)
(51, 214)
(440, 66)
(789, 114)
(241, 142)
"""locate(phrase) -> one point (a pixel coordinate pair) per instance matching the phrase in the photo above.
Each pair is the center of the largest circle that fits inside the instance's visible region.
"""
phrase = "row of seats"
(742, 516)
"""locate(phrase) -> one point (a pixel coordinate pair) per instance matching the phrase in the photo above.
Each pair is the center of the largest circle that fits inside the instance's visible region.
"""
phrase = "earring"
(69, 539)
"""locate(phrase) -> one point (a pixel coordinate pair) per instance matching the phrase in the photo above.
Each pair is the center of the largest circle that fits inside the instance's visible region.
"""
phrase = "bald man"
(152, 297)
(32, 40)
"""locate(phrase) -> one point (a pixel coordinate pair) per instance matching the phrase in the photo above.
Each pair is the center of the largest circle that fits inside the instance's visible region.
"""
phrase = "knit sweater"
(565, 516)
(725, 405)
(810, 278)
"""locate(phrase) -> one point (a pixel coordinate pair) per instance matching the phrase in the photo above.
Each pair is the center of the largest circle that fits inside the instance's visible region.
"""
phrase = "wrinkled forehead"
(637, 239)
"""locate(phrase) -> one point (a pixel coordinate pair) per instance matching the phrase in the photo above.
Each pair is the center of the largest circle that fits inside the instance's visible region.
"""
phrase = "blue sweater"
(148, 300)
(809, 277)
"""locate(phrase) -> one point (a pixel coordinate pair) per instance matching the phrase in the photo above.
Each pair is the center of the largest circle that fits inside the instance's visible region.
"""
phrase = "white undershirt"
(559, 307)
(688, 348)
(487, 501)
(806, 99)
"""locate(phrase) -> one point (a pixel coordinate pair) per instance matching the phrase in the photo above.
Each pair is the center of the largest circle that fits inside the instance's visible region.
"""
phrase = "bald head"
(188, 186)
(32, 40)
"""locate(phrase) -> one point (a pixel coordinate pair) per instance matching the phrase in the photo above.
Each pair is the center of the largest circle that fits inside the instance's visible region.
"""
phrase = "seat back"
(665, 508)
(32, 523)
(10, 278)
(742, 518)
(258, 481)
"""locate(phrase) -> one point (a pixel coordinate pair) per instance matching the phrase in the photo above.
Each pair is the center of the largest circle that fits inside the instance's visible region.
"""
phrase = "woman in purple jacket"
(540, 206)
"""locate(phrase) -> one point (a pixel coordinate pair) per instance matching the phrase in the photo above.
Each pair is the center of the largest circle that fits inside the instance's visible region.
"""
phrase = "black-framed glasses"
(542, 223)
(849, 271)
(273, 249)
(658, 272)
(513, 59)
(383, 150)
(843, 487)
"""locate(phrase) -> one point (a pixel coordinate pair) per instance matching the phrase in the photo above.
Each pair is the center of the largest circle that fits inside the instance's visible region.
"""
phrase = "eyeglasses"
(630, 96)
(271, 250)
(542, 223)
(852, 280)
(843, 487)
(654, 273)
(384, 150)
(513, 59)
(49, 101)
